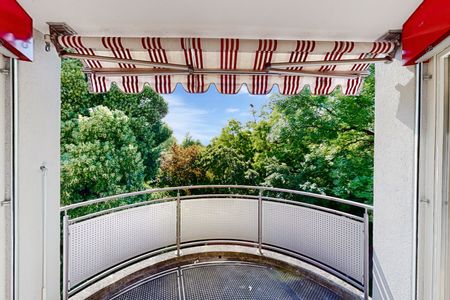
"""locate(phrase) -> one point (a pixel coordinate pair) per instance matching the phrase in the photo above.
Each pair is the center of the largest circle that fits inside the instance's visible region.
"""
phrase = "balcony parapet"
(299, 224)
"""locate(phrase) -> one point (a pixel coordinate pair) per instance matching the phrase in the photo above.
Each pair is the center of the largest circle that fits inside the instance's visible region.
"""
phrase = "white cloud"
(184, 119)
(232, 110)
(174, 100)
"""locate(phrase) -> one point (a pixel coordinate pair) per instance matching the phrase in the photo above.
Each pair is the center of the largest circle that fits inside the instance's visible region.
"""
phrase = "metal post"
(417, 200)
(44, 231)
(366, 255)
(14, 122)
(65, 256)
(260, 221)
(178, 239)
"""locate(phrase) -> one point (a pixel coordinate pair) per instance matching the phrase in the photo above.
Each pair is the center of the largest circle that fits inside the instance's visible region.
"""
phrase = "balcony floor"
(227, 281)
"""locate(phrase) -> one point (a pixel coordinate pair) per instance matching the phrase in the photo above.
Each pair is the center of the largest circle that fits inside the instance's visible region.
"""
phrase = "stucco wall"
(38, 139)
(394, 182)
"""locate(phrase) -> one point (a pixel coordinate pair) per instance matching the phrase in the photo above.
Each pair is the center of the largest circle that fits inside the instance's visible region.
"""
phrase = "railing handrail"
(196, 187)
(220, 196)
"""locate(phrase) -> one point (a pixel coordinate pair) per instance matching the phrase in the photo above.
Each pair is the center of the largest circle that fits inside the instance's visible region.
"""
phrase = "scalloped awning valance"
(197, 63)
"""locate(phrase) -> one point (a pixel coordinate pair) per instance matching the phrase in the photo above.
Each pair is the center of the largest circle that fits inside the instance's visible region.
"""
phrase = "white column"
(38, 141)
(394, 186)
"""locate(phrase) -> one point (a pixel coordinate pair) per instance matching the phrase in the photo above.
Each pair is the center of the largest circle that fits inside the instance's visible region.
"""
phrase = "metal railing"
(287, 221)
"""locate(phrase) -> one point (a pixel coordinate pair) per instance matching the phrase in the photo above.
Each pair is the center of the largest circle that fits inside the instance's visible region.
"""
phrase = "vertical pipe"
(366, 255)
(65, 263)
(5, 203)
(415, 212)
(43, 169)
(178, 238)
(14, 178)
(445, 207)
(260, 221)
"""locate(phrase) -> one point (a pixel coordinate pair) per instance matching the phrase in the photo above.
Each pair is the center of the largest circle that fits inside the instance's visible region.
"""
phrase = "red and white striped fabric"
(225, 54)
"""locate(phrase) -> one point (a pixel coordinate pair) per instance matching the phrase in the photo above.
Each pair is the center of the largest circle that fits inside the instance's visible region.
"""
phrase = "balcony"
(216, 242)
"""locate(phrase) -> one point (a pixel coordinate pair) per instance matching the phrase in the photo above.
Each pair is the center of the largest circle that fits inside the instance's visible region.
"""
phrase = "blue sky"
(204, 115)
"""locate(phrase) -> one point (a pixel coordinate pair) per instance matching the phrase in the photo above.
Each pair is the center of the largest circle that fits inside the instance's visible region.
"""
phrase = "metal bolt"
(424, 200)
(47, 42)
(5, 202)
(43, 167)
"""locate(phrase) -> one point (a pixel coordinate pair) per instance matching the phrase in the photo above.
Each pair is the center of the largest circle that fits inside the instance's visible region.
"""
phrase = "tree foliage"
(115, 142)
(322, 144)
(190, 141)
(131, 124)
(227, 160)
(181, 165)
(104, 160)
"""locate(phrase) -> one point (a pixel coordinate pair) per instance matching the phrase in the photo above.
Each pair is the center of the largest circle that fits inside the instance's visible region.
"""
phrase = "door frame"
(434, 176)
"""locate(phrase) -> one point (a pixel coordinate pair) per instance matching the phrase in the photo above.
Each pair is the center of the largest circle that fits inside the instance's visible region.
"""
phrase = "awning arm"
(134, 71)
(386, 59)
(147, 63)
(270, 68)
(330, 74)
(273, 72)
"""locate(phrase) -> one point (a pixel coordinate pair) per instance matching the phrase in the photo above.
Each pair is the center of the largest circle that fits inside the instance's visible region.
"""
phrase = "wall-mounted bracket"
(394, 36)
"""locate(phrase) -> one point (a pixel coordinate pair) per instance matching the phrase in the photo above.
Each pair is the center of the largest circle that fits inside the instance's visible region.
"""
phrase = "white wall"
(38, 141)
(394, 182)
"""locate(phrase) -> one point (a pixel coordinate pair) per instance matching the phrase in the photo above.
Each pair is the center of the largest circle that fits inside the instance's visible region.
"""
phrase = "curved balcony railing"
(295, 223)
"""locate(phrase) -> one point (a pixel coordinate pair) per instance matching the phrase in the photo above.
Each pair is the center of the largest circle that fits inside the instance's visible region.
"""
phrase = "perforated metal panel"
(226, 281)
(219, 218)
(234, 281)
(163, 287)
(102, 242)
(331, 239)
(97, 244)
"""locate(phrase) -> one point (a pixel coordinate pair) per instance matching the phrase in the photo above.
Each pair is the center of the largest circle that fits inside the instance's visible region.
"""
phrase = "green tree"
(322, 144)
(103, 160)
(228, 159)
(236, 136)
(225, 165)
(190, 141)
(145, 112)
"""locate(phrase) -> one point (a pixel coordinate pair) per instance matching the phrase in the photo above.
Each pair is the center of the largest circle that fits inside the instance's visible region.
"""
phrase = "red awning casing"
(425, 28)
(227, 63)
(16, 30)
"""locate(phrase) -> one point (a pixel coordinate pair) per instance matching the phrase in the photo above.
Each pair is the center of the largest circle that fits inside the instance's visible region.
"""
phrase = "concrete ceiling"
(359, 20)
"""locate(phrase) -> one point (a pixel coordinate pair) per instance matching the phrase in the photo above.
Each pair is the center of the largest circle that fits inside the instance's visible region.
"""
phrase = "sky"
(204, 115)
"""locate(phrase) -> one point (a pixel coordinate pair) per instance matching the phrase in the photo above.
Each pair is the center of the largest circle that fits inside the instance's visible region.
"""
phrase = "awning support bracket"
(272, 72)
(386, 59)
(147, 63)
(177, 69)
(268, 68)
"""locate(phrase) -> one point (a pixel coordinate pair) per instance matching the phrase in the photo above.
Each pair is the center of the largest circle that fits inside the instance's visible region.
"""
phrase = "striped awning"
(197, 63)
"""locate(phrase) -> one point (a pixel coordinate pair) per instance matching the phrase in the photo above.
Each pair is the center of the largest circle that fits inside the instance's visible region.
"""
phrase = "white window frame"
(434, 175)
